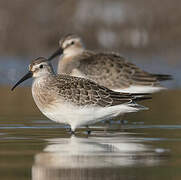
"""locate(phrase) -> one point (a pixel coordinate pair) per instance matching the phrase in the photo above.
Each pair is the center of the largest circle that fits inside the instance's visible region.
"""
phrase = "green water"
(147, 146)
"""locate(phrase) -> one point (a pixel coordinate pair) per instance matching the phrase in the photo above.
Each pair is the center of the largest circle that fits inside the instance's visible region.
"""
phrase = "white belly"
(80, 116)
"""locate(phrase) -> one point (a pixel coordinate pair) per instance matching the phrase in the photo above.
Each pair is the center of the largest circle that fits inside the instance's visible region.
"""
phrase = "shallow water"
(146, 146)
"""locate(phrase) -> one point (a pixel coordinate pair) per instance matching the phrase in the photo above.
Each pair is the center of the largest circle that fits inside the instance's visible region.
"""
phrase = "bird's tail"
(138, 107)
(141, 96)
(163, 77)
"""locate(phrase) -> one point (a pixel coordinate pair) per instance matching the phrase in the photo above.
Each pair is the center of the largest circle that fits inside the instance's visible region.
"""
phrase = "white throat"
(74, 51)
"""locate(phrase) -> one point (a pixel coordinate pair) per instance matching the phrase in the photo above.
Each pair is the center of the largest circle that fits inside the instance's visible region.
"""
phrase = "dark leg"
(68, 129)
(72, 132)
(88, 130)
(123, 122)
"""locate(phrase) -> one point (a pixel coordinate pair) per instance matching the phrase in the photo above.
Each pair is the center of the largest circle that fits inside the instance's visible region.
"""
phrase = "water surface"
(147, 146)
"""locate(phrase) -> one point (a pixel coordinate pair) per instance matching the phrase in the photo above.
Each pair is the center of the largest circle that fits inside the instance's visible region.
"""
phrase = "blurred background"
(148, 33)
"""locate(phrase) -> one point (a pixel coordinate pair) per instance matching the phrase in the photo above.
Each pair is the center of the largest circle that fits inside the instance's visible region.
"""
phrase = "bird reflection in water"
(104, 157)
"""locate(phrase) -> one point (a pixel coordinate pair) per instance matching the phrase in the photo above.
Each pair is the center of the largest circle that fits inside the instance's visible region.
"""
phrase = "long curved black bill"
(58, 52)
(27, 76)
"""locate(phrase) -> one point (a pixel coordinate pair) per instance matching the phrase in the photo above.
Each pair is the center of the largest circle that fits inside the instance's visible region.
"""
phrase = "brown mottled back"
(84, 92)
(113, 71)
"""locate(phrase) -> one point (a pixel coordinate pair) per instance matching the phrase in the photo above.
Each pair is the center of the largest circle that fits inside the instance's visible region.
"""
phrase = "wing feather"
(82, 92)
(112, 70)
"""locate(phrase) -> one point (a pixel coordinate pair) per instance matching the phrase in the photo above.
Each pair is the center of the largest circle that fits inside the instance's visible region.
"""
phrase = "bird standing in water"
(76, 101)
(107, 69)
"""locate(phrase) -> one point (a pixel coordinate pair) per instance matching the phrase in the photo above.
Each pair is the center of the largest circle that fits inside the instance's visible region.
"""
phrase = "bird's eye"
(72, 42)
(41, 66)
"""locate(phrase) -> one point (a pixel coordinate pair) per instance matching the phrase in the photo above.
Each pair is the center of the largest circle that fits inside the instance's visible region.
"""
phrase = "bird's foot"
(123, 122)
(70, 130)
(88, 130)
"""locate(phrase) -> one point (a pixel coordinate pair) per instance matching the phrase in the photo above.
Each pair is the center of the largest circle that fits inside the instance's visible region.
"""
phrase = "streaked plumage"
(107, 69)
(76, 101)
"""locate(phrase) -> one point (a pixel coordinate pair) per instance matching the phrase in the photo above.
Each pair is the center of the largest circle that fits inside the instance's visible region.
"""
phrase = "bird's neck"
(40, 91)
(69, 60)
(41, 80)
(73, 52)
